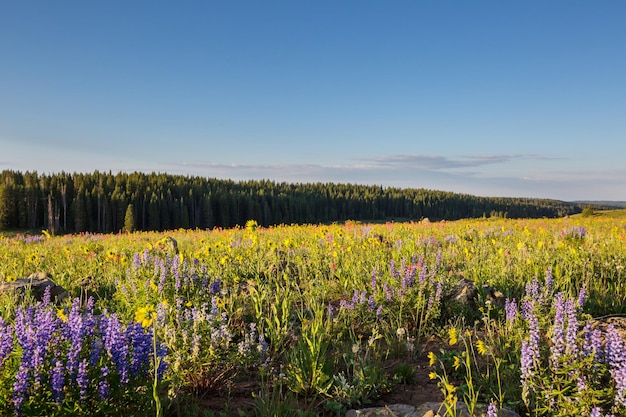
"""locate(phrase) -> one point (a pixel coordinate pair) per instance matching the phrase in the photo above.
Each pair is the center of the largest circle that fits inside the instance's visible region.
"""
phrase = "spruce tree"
(129, 219)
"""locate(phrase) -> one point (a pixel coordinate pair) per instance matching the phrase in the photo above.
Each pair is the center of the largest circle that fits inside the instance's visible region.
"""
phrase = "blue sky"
(493, 98)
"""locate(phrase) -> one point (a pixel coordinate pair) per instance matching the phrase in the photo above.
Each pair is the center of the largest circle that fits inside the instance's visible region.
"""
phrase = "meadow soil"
(421, 390)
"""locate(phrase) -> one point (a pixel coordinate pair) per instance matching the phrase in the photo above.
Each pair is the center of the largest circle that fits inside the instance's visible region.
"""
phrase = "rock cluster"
(429, 409)
(37, 283)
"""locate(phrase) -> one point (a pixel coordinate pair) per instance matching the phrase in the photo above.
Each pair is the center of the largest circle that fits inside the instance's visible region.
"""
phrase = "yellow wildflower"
(251, 225)
(450, 388)
(432, 358)
(145, 316)
(457, 363)
(432, 375)
(481, 347)
(452, 333)
(61, 315)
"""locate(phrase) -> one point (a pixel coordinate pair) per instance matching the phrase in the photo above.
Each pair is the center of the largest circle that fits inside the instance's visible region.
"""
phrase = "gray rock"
(391, 410)
(429, 409)
(37, 283)
(602, 324)
(465, 293)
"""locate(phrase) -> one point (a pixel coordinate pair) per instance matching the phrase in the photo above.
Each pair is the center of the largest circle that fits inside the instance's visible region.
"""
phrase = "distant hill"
(601, 204)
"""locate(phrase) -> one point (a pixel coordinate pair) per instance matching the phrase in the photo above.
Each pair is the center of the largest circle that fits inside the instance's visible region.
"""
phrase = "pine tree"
(129, 219)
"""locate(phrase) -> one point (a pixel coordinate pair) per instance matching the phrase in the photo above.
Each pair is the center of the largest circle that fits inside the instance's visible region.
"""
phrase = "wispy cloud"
(462, 174)
(438, 162)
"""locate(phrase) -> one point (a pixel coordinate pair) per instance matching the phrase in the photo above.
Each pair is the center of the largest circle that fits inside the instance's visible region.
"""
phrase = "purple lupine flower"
(221, 335)
(423, 275)
(141, 343)
(581, 384)
(371, 303)
(595, 412)
(355, 297)
(379, 311)
(20, 388)
(362, 297)
(262, 346)
(103, 384)
(74, 330)
(176, 272)
(409, 277)
(528, 308)
(116, 347)
(492, 410)
(576, 232)
(46, 296)
(6, 340)
(571, 347)
(439, 291)
(619, 376)
(438, 259)
(215, 286)
(57, 381)
(214, 308)
(510, 309)
(615, 350)
(95, 351)
(195, 345)
(162, 277)
(196, 315)
(161, 354)
(136, 261)
(331, 310)
(532, 289)
(593, 343)
(373, 283)
(402, 266)
(558, 333)
(548, 282)
(392, 269)
(25, 333)
(582, 296)
(388, 291)
(82, 380)
(451, 239)
(43, 325)
(530, 353)
(161, 313)
(431, 302)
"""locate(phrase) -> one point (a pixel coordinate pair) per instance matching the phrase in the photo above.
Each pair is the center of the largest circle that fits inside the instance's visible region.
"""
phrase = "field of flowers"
(317, 319)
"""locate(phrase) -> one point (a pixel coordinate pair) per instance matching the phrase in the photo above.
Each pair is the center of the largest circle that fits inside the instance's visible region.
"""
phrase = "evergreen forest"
(103, 202)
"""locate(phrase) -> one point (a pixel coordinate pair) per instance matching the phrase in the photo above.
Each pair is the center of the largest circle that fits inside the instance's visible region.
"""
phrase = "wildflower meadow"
(312, 320)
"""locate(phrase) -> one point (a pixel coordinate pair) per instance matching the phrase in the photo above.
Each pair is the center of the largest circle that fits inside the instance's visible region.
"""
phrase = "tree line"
(106, 202)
